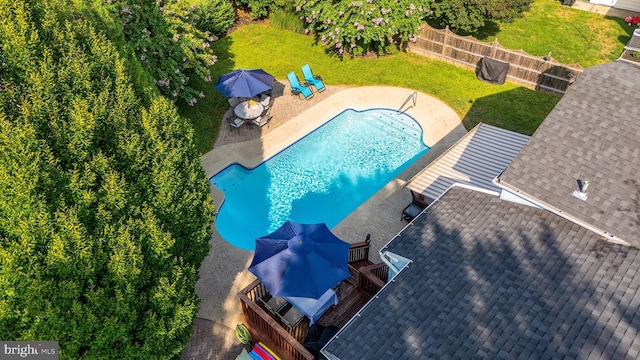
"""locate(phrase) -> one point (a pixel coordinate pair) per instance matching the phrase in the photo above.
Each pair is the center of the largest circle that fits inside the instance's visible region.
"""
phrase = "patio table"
(247, 111)
(314, 308)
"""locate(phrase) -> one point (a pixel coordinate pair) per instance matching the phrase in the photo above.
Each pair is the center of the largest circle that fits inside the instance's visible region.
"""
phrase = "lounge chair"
(297, 88)
(311, 79)
(232, 119)
(273, 304)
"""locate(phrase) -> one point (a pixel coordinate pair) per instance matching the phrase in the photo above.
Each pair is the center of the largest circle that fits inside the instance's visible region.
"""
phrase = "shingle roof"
(494, 279)
(592, 134)
(476, 159)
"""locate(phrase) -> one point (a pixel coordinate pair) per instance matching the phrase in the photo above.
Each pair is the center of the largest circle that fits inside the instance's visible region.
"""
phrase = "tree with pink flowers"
(172, 42)
(361, 26)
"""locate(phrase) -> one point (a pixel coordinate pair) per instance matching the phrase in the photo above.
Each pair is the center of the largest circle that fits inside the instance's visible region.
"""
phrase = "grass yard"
(280, 51)
(572, 36)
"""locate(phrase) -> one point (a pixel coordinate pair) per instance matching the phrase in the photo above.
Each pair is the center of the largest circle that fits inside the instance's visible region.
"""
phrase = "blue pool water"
(321, 178)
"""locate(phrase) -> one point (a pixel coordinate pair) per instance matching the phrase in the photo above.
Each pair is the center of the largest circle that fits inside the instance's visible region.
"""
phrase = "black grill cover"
(493, 71)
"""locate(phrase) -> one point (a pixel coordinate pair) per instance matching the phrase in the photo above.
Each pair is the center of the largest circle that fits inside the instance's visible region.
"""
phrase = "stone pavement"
(211, 340)
(284, 107)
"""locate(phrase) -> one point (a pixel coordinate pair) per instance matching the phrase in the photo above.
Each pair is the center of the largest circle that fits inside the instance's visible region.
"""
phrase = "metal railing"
(413, 97)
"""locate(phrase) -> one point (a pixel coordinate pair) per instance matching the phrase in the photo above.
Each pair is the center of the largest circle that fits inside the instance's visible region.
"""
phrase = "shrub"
(469, 15)
(215, 16)
(287, 20)
(168, 44)
(357, 27)
(261, 8)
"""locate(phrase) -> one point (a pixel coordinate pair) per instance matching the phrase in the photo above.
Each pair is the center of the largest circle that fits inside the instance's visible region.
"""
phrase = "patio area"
(224, 274)
(284, 108)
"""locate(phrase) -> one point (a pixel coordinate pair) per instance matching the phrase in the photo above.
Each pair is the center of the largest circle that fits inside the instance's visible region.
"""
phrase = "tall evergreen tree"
(105, 211)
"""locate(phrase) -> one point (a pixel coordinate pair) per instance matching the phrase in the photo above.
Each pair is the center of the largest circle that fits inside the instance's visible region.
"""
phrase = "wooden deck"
(353, 293)
(350, 300)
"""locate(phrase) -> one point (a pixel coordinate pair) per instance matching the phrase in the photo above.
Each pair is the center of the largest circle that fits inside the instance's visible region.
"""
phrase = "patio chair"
(232, 119)
(292, 317)
(311, 79)
(233, 101)
(265, 100)
(418, 203)
(297, 88)
(273, 304)
(262, 120)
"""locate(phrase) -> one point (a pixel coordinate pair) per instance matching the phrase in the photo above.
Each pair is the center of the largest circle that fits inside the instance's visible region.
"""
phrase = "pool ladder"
(413, 97)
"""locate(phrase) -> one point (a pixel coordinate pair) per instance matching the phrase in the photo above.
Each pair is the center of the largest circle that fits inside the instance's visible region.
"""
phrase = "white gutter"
(329, 355)
(383, 256)
(608, 236)
(460, 185)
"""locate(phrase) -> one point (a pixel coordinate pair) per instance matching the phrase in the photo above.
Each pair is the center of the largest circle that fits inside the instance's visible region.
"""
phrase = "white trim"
(507, 195)
(607, 236)
(357, 315)
(392, 259)
(464, 186)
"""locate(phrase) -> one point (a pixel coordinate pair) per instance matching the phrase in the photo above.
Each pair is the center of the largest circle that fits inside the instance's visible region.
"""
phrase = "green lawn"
(572, 36)
(280, 51)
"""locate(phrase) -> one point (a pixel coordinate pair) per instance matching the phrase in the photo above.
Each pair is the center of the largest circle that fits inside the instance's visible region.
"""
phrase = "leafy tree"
(469, 15)
(105, 211)
(172, 40)
(357, 27)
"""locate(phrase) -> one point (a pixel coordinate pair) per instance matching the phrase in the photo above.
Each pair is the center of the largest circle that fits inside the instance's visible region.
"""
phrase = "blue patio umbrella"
(302, 260)
(244, 83)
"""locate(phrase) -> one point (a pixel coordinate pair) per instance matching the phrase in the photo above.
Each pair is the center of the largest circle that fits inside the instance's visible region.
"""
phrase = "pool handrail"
(414, 97)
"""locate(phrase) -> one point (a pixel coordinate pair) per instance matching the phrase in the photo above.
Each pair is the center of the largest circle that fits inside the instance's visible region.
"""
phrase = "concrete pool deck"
(224, 271)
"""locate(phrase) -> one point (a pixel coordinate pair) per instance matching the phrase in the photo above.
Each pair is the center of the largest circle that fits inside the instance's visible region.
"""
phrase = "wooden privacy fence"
(536, 72)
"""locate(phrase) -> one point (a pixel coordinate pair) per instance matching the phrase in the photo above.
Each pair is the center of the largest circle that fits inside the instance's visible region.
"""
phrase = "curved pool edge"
(236, 163)
(408, 126)
(435, 118)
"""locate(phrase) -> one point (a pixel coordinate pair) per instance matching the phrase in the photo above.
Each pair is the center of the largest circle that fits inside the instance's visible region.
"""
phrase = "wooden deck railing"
(264, 328)
(287, 345)
(359, 252)
(372, 278)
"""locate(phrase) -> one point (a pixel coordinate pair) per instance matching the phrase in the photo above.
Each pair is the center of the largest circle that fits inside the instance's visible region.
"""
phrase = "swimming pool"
(321, 178)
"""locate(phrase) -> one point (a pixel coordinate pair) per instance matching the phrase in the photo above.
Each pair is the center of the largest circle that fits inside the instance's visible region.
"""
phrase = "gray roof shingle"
(592, 134)
(495, 279)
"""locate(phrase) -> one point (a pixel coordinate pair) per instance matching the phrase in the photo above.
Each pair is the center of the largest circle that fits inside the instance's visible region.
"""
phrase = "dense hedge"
(105, 210)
